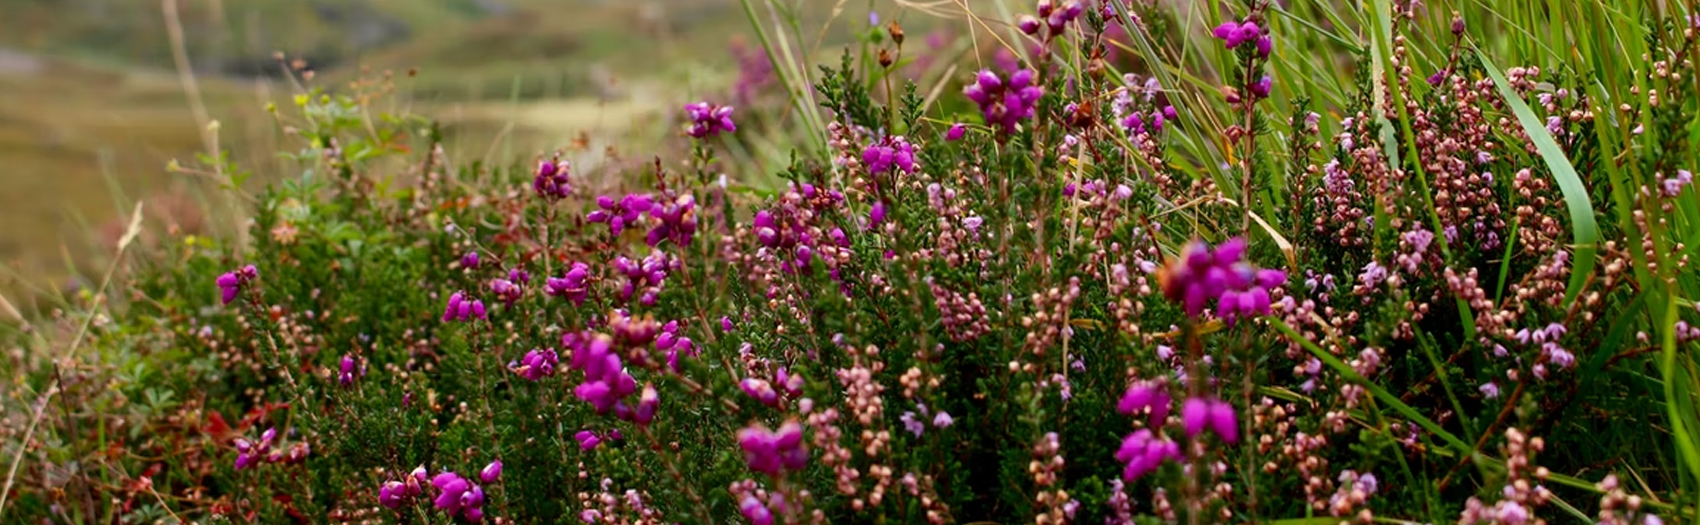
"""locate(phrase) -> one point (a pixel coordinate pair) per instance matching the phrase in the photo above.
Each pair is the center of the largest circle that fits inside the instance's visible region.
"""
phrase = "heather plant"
(1243, 270)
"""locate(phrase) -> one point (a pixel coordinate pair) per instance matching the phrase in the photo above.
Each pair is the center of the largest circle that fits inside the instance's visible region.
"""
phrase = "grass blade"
(1584, 232)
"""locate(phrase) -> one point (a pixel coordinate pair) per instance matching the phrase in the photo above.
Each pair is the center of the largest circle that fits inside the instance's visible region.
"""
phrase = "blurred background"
(94, 108)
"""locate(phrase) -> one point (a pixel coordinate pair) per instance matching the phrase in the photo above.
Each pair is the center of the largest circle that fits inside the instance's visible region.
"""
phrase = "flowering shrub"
(1067, 294)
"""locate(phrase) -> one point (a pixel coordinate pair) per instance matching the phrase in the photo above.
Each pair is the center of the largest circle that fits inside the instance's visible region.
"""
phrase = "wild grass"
(1419, 363)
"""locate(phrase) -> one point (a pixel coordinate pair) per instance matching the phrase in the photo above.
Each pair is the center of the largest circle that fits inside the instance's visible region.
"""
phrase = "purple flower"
(771, 452)
(676, 221)
(1145, 395)
(574, 286)
(470, 260)
(760, 390)
(536, 364)
(606, 381)
(914, 425)
(348, 371)
(507, 291)
(1201, 274)
(462, 308)
(587, 440)
(943, 420)
(1005, 104)
(1199, 414)
(672, 342)
(1143, 452)
(708, 120)
(1262, 87)
(391, 494)
(887, 153)
(230, 284)
(956, 132)
(491, 472)
(619, 214)
(1673, 186)
(551, 180)
(1028, 24)
(755, 511)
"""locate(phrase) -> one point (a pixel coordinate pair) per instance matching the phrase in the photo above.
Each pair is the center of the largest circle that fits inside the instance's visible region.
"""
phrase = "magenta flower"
(587, 440)
(249, 453)
(606, 381)
(876, 215)
(708, 120)
(536, 364)
(1143, 452)
(462, 308)
(507, 291)
(1005, 104)
(956, 132)
(771, 452)
(1199, 414)
(230, 284)
(392, 494)
(470, 260)
(622, 213)
(551, 180)
(1141, 396)
(574, 286)
(1028, 24)
(647, 275)
(1262, 87)
(1201, 275)
(1233, 35)
(755, 511)
(887, 153)
(760, 390)
(349, 370)
(676, 221)
(491, 472)
(674, 343)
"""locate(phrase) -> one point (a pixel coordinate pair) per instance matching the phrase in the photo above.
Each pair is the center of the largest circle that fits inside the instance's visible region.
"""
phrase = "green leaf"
(1584, 232)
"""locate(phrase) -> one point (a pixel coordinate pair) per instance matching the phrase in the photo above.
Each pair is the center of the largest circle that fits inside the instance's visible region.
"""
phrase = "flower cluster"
(1235, 34)
(618, 214)
(646, 275)
(536, 364)
(463, 308)
(574, 286)
(1004, 104)
(1143, 451)
(249, 453)
(458, 496)
(1199, 414)
(774, 452)
(606, 382)
(230, 284)
(1146, 395)
(393, 494)
(675, 220)
(675, 343)
(1056, 19)
(889, 152)
(708, 120)
(349, 369)
(1201, 275)
(552, 179)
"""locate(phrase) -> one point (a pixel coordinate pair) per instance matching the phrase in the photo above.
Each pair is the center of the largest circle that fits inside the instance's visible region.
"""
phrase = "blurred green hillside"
(94, 110)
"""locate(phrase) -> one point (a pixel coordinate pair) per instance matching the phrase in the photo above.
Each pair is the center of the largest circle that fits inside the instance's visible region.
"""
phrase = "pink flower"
(1199, 414)
(708, 120)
